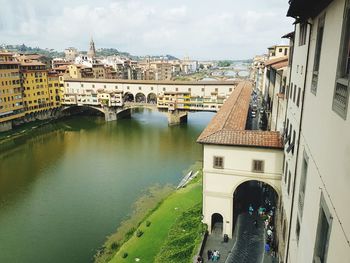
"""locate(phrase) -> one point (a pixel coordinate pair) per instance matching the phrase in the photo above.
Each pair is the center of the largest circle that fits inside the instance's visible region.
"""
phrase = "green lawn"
(149, 244)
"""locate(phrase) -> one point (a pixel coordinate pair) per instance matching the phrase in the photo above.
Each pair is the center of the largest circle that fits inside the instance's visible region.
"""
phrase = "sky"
(199, 29)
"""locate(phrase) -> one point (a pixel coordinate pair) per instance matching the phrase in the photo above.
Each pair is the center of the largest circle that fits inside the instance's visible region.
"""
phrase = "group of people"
(266, 213)
(213, 255)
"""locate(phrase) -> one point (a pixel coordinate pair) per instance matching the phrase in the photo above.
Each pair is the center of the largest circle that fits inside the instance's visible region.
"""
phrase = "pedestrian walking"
(199, 259)
(210, 254)
(255, 223)
(250, 209)
(267, 248)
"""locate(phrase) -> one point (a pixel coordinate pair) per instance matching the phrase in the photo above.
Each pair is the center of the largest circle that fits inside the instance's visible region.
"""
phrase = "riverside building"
(11, 99)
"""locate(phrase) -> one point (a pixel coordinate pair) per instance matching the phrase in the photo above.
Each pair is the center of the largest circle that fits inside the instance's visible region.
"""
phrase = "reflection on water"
(67, 185)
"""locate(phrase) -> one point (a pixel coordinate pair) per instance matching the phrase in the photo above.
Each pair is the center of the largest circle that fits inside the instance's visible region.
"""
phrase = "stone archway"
(152, 98)
(217, 223)
(140, 97)
(256, 194)
(128, 97)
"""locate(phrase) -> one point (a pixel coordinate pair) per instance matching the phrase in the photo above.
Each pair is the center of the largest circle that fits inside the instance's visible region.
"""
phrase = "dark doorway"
(217, 224)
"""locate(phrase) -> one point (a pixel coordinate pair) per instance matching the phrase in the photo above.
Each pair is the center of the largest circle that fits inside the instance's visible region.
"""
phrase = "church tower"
(92, 51)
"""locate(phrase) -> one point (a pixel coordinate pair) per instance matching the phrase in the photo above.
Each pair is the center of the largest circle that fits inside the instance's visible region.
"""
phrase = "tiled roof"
(280, 65)
(276, 60)
(228, 125)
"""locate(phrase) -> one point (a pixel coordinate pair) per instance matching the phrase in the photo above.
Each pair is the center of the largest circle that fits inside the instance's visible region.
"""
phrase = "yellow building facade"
(11, 100)
(55, 92)
(35, 87)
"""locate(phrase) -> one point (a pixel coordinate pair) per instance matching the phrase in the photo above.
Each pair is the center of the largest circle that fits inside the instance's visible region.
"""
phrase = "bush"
(148, 223)
(129, 233)
(139, 233)
(114, 245)
(125, 254)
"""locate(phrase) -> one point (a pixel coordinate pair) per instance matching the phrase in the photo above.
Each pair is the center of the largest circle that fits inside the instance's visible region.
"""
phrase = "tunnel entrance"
(254, 194)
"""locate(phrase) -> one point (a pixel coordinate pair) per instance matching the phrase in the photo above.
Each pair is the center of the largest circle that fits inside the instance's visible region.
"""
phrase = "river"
(67, 185)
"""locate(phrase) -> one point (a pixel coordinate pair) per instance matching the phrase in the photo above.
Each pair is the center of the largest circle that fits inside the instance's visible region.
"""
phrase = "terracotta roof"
(276, 60)
(280, 65)
(9, 62)
(228, 125)
(32, 63)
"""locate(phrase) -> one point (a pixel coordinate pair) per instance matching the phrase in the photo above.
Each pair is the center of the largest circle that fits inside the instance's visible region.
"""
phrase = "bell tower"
(92, 50)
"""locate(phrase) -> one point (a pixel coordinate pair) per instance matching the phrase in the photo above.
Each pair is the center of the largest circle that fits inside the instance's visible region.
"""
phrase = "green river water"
(65, 186)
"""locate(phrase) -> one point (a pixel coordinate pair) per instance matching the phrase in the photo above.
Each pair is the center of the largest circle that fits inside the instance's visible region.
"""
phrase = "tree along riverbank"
(169, 230)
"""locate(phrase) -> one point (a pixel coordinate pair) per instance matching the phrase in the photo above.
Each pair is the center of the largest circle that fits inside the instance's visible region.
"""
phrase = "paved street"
(247, 245)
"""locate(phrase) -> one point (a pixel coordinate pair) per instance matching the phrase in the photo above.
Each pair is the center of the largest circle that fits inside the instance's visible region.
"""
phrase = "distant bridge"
(116, 98)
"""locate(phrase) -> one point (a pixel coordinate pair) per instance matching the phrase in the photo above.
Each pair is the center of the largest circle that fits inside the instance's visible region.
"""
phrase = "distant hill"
(103, 52)
(28, 50)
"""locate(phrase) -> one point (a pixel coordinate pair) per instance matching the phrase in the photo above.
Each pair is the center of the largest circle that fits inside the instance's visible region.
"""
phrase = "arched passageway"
(140, 97)
(255, 194)
(217, 224)
(254, 204)
(128, 97)
(152, 98)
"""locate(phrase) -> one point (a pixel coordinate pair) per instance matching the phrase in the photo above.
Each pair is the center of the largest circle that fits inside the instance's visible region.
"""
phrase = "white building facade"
(316, 179)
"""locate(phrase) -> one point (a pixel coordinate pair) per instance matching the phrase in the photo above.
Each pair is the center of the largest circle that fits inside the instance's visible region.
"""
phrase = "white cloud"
(200, 29)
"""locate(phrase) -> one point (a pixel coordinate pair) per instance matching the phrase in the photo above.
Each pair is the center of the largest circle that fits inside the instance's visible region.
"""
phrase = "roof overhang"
(305, 9)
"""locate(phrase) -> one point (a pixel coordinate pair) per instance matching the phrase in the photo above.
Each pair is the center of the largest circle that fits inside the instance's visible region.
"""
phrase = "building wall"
(36, 92)
(11, 99)
(325, 141)
(219, 184)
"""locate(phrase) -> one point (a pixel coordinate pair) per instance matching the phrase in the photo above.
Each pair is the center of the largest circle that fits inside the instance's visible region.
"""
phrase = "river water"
(68, 185)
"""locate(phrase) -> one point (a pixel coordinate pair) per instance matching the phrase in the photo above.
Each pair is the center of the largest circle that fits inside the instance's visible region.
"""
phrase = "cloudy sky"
(200, 29)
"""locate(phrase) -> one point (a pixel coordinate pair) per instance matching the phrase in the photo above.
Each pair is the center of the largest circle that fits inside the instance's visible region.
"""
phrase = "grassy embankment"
(171, 233)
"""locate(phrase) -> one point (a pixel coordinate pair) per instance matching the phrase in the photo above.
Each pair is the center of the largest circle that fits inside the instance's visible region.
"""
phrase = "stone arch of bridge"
(68, 108)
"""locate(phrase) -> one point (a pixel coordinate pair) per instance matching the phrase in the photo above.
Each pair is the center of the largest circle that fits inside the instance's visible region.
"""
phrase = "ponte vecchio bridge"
(116, 98)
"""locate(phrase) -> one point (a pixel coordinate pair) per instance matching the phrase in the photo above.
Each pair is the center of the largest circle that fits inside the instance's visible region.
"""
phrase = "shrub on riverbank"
(183, 237)
(175, 232)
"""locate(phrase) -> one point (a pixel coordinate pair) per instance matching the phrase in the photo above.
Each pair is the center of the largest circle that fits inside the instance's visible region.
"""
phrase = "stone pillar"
(110, 114)
(176, 117)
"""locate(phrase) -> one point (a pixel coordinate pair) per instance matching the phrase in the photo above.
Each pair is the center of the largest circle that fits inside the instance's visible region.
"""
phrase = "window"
(218, 162)
(82, 85)
(297, 230)
(302, 186)
(298, 99)
(291, 91)
(258, 166)
(341, 90)
(286, 173)
(285, 51)
(302, 34)
(291, 145)
(280, 50)
(320, 29)
(294, 92)
(289, 178)
(323, 233)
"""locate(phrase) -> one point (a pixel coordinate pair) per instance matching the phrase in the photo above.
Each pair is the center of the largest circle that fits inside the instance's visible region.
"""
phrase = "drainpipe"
(299, 135)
